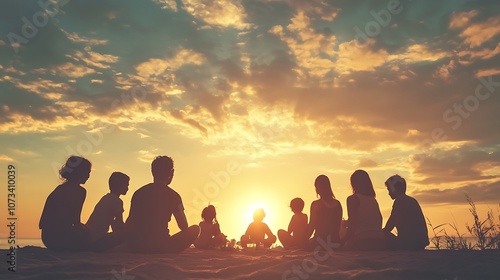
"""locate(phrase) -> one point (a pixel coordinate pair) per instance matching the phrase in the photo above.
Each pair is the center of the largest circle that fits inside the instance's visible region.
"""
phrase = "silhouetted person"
(326, 213)
(364, 230)
(298, 232)
(257, 231)
(210, 234)
(60, 220)
(406, 217)
(109, 212)
(151, 209)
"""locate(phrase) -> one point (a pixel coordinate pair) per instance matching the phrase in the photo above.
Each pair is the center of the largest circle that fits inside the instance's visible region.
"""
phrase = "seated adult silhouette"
(406, 217)
(257, 231)
(151, 209)
(298, 232)
(60, 220)
(364, 230)
(326, 214)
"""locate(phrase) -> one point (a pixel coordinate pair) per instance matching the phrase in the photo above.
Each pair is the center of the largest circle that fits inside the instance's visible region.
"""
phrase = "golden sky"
(253, 100)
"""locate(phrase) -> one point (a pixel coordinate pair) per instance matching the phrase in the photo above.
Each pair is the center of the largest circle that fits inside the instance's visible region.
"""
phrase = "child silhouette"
(210, 235)
(60, 220)
(257, 231)
(109, 212)
(298, 232)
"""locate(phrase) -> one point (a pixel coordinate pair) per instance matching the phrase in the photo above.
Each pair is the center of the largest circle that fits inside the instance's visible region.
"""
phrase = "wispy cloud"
(217, 13)
(5, 158)
(479, 192)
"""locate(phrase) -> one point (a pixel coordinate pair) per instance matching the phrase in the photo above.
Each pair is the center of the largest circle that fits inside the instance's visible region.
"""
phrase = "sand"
(40, 263)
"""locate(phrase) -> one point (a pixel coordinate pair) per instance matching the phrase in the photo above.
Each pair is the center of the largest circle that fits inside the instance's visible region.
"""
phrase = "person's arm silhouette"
(352, 212)
(181, 220)
(291, 225)
(391, 222)
(268, 231)
(118, 223)
(313, 219)
(76, 207)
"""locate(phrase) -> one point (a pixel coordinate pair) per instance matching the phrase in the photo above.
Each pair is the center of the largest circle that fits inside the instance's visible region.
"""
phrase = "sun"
(251, 209)
(269, 209)
(237, 214)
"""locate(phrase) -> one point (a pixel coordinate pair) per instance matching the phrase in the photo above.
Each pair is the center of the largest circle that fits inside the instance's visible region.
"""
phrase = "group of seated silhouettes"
(152, 207)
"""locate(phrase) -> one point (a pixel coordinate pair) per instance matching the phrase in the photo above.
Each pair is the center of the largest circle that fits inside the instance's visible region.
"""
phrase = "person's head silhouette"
(162, 169)
(361, 183)
(297, 205)
(396, 185)
(118, 183)
(76, 170)
(208, 213)
(323, 187)
(259, 215)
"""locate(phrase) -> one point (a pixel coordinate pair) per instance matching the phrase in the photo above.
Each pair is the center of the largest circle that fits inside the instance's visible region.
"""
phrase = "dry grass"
(486, 233)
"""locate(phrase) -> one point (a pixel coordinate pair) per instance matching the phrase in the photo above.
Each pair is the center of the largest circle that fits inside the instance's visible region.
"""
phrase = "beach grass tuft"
(484, 233)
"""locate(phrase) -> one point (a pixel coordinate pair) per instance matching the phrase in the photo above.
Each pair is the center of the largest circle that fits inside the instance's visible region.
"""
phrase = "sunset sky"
(253, 99)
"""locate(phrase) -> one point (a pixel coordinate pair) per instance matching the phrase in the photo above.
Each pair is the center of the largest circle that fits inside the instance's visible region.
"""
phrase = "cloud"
(142, 135)
(365, 163)
(462, 19)
(167, 4)
(477, 33)
(316, 55)
(25, 152)
(420, 53)
(322, 8)
(25, 122)
(484, 53)
(219, 13)
(5, 158)
(72, 70)
(157, 66)
(58, 138)
(94, 59)
(466, 163)
(312, 51)
(12, 70)
(147, 155)
(488, 192)
(354, 56)
(487, 72)
(445, 71)
(76, 38)
(183, 117)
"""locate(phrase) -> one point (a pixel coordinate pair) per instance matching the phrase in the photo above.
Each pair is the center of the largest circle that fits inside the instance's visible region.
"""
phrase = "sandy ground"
(40, 263)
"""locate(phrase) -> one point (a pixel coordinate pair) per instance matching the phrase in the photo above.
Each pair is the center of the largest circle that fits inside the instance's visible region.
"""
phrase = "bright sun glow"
(274, 216)
(237, 212)
(251, 209)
